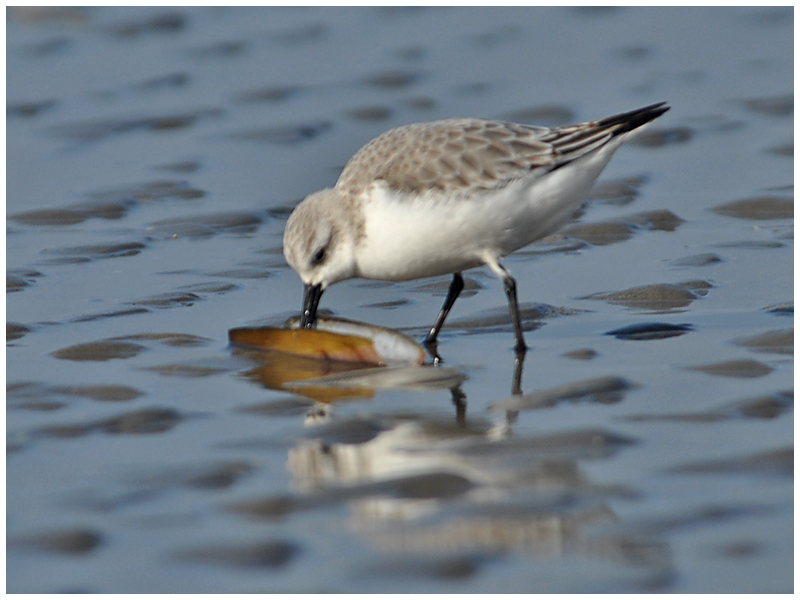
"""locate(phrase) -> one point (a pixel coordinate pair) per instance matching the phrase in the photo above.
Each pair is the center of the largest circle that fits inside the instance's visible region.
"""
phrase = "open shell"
(333, 340)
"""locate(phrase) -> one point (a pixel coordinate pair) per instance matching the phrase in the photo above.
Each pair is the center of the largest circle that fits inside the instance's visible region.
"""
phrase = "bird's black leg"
(511, 291)
(455, 289)
(520, 349)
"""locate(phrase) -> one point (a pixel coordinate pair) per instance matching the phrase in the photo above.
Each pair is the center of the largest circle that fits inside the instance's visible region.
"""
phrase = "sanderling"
(437, 198)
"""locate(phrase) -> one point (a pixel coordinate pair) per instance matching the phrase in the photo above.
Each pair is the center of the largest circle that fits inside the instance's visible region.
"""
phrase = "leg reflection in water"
(459, 398)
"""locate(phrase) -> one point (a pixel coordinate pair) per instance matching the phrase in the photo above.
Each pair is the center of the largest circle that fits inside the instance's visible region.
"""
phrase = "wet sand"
(153, 156)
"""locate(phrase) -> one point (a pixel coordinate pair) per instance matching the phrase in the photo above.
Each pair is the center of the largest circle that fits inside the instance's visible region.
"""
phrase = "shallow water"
(153, 156)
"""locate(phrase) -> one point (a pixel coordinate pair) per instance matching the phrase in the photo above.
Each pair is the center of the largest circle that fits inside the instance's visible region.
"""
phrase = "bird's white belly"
(410, 237)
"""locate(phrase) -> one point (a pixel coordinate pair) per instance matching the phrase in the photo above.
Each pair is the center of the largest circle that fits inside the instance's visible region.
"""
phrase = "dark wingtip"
(635, 118)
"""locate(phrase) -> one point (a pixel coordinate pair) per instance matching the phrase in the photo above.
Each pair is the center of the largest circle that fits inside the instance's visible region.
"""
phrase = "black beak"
(311, 298)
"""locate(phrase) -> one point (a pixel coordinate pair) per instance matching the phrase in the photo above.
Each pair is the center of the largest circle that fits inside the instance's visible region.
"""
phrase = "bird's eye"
(319, 256)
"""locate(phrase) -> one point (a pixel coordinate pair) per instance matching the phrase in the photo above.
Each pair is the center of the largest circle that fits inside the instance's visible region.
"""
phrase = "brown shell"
(322, 345)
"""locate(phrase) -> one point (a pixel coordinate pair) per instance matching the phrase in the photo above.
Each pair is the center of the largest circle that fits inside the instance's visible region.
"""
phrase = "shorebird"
(442, 197)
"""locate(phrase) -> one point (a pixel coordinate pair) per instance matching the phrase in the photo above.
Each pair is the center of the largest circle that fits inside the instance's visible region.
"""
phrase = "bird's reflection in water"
(424, 484)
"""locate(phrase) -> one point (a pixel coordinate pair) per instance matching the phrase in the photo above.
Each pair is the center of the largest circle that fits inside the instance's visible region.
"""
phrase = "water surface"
(153, 157)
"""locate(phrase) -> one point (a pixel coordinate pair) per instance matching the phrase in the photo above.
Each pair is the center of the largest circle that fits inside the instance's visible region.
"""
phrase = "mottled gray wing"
(469, 155)
(451, 155)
